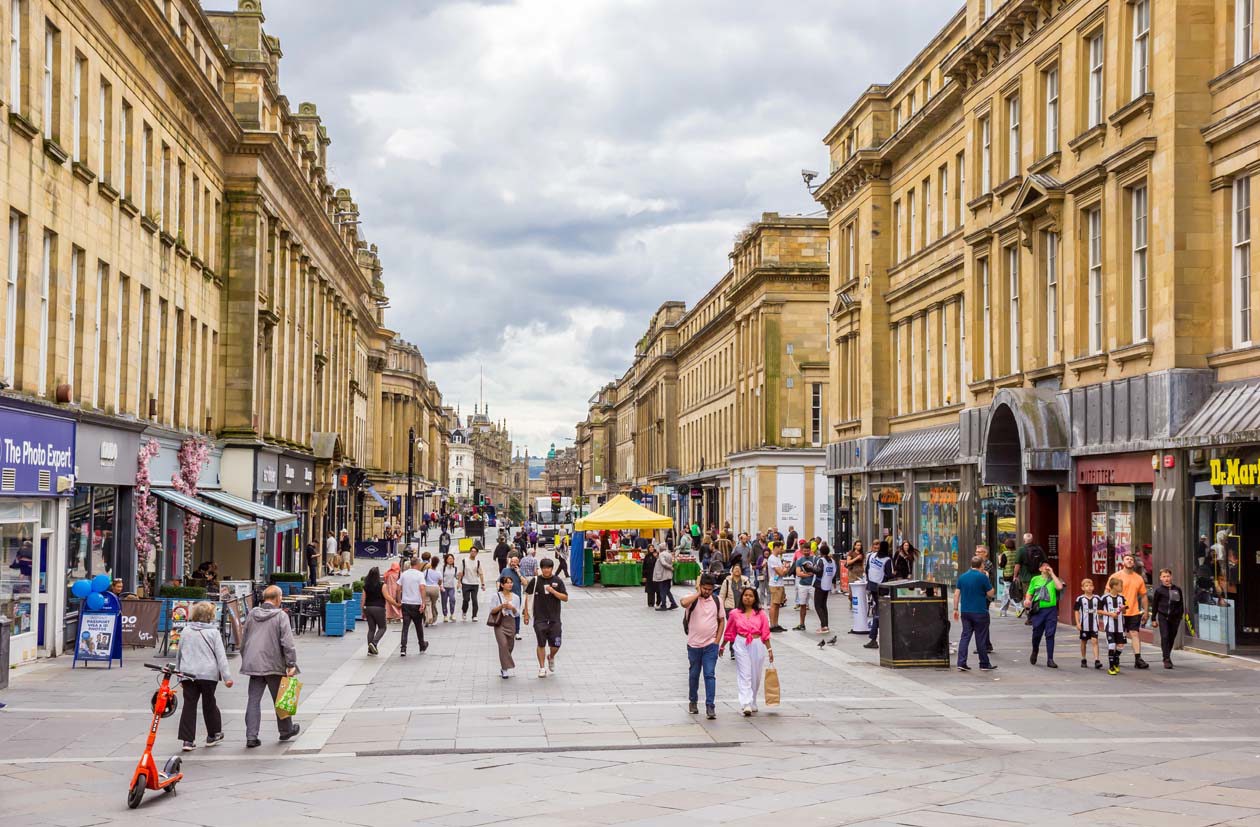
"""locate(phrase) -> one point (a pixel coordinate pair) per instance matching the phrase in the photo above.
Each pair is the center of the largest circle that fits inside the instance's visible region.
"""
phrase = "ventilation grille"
(45, 480)
(8, 479)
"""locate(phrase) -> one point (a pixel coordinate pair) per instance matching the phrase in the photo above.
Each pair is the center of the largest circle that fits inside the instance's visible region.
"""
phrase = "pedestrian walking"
(513, 573)
(903, 561)
(1168, 609)
(1112, 612)
(776, 570)
(501, 552)
(1135, 606)
(748, 633)
(704, 621)
(432, 589)
(826, 570)
(562, 555)
(268, 654)
(450, 574)
(549, 594)
(1006, 562)
(375, 600)
(344, 550)
(444, 540)
(803, 568)
(1028, 562)
(1085, 610)
(312, 564)
(878, 570)
(529, 563)
(412, 584)
(855, 562)
(393, 605)
(971, 605)
(204, 662)
(732, 587)
(649, 570)
(663, 575)
(504, 617)
(332, 560)
(472, 580)
(1042, 600)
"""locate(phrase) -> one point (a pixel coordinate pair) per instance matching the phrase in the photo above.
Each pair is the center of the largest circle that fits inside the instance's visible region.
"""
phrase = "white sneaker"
(551, 665)
(542, 671)
(747, 711)
(464, 618)
(518, 637)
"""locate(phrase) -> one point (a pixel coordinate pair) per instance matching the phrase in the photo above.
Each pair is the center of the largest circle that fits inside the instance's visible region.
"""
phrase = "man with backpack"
(471, 580)
(703, 623)
(1028, 562)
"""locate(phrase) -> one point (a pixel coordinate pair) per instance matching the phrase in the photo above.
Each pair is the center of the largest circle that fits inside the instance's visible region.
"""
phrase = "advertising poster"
(96, 639)
(1124, 537)
(140, 622)
(1098, 542)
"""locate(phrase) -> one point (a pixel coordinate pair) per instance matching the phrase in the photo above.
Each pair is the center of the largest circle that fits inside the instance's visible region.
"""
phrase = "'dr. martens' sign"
(1234, 472)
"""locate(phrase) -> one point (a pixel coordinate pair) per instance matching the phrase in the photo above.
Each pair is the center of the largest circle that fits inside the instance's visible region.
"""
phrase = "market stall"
(621, 514)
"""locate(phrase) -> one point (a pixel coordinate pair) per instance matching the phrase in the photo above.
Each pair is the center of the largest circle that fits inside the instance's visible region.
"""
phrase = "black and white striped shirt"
(1087, 608)
(1113, 603)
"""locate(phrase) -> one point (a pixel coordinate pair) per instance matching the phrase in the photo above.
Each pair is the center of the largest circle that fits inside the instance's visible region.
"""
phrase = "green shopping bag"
(287, 699)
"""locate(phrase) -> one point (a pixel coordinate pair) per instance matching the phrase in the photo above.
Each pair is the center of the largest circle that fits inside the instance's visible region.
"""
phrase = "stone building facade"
(561, 473)
(492, 459)
(179, 269)
(1043, 302)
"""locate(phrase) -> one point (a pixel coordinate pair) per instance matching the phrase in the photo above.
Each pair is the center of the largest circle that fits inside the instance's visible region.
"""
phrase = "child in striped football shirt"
(1087, 605)
(1112, 612)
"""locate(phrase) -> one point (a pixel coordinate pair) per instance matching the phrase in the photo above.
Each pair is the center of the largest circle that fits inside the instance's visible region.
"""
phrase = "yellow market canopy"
(621, 512)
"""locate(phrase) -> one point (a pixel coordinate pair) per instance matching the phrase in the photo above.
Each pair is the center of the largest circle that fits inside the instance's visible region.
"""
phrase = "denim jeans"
(696, 659)
(1045, 622)
(974, 623)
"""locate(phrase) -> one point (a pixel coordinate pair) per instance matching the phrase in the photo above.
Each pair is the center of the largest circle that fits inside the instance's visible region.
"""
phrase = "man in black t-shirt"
(501, 552)
(548, 593)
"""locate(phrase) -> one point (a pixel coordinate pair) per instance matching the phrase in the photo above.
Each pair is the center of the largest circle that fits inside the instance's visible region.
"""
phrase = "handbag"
(771, 684)
(287, 697)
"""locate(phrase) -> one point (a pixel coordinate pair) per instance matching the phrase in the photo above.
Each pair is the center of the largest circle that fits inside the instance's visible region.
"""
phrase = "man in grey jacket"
(663, 574)
(267, 654)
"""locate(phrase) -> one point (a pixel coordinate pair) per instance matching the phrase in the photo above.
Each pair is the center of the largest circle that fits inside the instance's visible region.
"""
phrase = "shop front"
(102, 518)
(296, 488)
(37, 460)
(1114, 497)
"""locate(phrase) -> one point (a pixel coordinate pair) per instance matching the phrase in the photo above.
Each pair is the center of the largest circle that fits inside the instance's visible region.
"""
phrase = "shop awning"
(283, 520)
(245, 529)
(1230, 415)
(918, 449)
(379, 499)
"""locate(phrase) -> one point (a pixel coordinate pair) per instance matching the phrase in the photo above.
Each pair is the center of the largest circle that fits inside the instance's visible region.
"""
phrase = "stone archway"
(1025, 439)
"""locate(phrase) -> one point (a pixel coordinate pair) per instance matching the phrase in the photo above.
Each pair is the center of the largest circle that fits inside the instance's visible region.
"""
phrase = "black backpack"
(1036, 557)
(687, 614)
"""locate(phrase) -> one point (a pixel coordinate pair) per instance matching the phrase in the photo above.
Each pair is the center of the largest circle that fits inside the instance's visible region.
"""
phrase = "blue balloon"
(95, 601)
(81, 588)
(100, 583)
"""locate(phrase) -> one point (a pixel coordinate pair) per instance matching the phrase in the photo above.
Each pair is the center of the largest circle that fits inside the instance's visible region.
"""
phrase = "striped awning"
(1231, 414)
(245, 529)
(919, 449)
(284, 521)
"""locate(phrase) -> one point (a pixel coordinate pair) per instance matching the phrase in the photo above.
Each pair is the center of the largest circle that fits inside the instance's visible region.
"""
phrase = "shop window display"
(92, 536)
(1221, 610)
(938, 531)
(17, 561)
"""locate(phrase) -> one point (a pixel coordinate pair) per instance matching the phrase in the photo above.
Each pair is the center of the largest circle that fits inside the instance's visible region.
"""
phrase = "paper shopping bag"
(287, 699)
(772, 686)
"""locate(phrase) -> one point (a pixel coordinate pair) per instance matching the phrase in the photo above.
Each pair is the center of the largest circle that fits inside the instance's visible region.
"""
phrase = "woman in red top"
(748, 632)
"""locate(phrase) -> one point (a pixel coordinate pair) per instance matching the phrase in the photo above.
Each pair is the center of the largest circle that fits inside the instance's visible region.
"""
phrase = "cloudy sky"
(540, 175)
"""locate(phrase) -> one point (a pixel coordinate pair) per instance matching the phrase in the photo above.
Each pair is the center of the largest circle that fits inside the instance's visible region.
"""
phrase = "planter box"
(358, 606)
(352, 614)
(289, 587)
(335, 619)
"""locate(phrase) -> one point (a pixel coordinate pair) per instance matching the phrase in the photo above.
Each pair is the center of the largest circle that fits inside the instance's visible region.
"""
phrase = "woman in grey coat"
(204, 663)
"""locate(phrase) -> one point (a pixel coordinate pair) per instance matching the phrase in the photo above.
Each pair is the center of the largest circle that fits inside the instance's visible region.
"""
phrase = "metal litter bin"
(913, 624)
(6, 629)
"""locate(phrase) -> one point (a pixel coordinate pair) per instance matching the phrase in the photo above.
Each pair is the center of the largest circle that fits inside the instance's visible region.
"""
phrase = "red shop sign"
(1115, 468)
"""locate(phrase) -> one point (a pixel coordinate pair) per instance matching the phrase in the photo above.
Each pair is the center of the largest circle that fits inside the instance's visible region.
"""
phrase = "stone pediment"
(1039, 195)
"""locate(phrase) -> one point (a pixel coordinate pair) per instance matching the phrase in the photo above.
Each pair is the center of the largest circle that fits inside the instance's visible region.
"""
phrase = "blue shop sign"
(34, 450)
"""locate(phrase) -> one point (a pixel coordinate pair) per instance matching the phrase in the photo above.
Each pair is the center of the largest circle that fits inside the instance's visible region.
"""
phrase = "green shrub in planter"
(358, 585)
(287, 577)
(183, 592)
(335, 596)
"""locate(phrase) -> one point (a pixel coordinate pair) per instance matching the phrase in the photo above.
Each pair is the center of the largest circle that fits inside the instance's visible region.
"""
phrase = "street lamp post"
(411, 469)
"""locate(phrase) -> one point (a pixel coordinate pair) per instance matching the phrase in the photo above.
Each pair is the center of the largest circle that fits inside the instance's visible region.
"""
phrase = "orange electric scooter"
(146, 776)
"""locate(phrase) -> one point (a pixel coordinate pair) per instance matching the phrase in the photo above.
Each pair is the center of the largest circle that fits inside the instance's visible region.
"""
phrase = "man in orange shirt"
(1134, 590)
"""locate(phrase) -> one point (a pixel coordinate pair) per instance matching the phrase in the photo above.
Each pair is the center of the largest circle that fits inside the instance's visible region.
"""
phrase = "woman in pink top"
(393, 611)
(748, 632)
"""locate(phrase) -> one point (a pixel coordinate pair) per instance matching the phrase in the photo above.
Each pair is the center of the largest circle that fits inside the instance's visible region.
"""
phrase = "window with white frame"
(986, 319)
(1093, 223)
(897, 348)
(1052, 109)
(1243, 12)
(960, 170)
(942, 368)
(45, 295)
(986, 140)
(1241, 280)
(78, 124)
(927, 211)
(120, 309)
(12, 280)
(104, 129)
(850, 243)
(1137, 275)
(964, 359)
(1095, 102)
(928, 364)
(912, 221)
(1051, 241)
(815, 413)
(943, 178)
(72, 332)
(913, 363)
(896, 231)
(98, 334)
(1012, 292)
(51, 36)
(1012, 137)
(15, 55)
(1141, 59)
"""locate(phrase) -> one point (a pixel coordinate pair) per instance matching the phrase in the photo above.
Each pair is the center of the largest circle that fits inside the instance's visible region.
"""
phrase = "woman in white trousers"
(748, 633)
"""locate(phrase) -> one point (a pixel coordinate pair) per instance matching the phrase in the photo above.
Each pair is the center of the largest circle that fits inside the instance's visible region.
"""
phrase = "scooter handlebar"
(168, 669)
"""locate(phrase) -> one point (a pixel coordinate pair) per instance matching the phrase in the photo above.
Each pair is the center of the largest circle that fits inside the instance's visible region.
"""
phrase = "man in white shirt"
(332, 560)
(471, 581)
(412, 583)
(776, 569)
